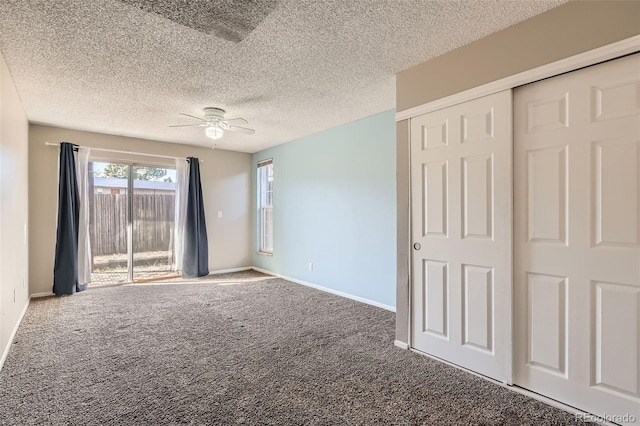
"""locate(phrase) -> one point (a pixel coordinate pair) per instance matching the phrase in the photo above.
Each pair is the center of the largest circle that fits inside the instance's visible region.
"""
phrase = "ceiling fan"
(215, 124)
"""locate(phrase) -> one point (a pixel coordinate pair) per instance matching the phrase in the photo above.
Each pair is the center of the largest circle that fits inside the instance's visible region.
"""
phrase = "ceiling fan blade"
(237, 119)
(186, 125)
(241, 130)
(192, 116)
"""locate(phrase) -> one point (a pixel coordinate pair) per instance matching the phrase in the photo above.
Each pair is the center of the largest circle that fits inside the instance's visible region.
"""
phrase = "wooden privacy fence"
(153, 223)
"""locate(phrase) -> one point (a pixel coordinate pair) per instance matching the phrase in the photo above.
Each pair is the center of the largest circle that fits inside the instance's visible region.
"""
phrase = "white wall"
(14, 295)
(226, 185)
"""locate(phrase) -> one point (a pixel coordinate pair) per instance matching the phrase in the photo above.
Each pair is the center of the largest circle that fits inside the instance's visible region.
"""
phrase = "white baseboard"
(264, 271)
(400, 344)
(43, 294)
(226, 271)
(328, 290)
(5, 352)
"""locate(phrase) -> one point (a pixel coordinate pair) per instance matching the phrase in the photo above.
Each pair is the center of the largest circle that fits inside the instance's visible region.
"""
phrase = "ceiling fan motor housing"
(214, 113)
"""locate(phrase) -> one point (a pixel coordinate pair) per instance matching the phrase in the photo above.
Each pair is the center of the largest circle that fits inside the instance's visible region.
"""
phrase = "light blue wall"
(335, 205)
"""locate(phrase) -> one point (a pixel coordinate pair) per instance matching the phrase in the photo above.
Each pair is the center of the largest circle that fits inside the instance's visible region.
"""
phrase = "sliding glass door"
(154, 193)
(131, 222)
(108, 223)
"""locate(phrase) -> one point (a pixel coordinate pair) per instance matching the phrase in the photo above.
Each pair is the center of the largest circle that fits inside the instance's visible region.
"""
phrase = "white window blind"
(265, 204)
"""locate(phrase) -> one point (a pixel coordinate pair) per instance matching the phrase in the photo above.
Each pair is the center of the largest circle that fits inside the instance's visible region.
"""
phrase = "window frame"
(264, 172)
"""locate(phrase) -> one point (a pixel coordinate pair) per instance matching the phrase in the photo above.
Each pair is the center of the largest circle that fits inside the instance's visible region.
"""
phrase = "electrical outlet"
(219, 214)
(311, 266)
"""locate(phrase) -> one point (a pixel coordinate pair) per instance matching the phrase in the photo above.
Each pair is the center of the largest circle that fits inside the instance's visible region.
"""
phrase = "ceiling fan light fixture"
(215, 124)
(213, 132)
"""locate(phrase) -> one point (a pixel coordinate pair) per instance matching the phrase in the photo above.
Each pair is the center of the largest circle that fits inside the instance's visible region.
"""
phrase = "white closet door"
(577, 238)
(461, 230)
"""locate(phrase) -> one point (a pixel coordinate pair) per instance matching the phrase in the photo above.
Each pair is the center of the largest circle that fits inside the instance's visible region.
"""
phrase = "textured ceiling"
(231, 20)
(290, 67)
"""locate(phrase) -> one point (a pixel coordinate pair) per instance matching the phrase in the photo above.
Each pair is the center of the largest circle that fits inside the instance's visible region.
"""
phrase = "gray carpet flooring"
(260, 352)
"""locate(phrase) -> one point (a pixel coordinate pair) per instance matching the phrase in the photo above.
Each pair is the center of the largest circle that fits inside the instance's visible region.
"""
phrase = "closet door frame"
(609, 52)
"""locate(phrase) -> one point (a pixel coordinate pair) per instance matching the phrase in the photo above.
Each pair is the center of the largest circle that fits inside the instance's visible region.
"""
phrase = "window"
(265, 205)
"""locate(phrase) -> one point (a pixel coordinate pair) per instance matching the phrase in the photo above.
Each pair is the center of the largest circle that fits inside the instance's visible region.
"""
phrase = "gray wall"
(14, 274)
(402, 228)
(573, 28)
(226, 185)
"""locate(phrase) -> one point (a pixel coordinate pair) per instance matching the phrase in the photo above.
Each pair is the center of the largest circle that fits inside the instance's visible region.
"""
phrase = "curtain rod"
(124, 152)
